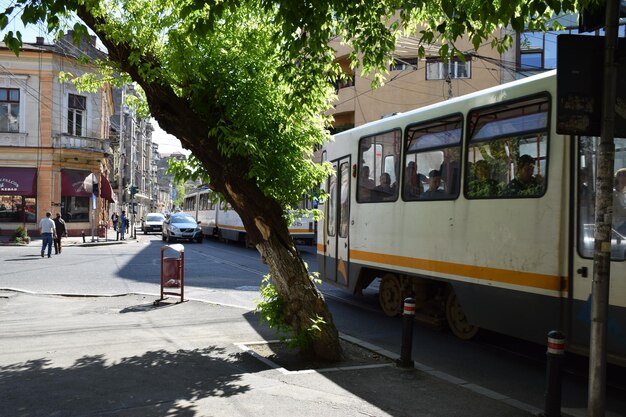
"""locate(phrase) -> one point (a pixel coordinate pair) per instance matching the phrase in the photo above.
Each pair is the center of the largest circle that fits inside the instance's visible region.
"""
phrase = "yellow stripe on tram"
(528, 279)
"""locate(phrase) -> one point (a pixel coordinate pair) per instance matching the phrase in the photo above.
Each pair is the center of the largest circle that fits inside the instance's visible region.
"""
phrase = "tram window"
(586, 191)
(189, 203)
(433, 159)
(203, 204)
(344, 200)
(378, 167)
(332, 206)
(508, 150)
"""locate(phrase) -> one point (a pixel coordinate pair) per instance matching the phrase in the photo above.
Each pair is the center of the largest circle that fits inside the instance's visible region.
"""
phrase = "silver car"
(181, 226)
(152, 223)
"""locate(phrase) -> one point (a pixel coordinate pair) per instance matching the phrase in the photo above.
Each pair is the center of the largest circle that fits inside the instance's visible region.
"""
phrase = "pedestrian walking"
(123, 224)
(114, 219)
(61, 231)
(47, 230)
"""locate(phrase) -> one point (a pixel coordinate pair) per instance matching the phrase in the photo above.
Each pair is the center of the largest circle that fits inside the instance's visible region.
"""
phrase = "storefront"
(75, 200)
(18, 195)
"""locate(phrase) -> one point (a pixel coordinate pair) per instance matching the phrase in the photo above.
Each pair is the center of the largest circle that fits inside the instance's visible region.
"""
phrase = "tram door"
(338, 223)
(583, 251)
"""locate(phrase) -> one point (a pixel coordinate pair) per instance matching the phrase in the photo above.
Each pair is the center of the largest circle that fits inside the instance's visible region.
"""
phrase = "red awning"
(106, 191)
(72, 183)
(18, 181)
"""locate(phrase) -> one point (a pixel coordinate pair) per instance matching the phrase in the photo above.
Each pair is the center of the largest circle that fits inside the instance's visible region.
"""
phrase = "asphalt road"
(230, 274)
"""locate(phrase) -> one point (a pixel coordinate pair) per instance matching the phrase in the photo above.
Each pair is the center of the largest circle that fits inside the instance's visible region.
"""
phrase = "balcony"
(65, 141)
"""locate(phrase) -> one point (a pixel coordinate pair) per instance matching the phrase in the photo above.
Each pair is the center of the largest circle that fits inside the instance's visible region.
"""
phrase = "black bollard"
(556, 348)
(82, 232)
(408, 318)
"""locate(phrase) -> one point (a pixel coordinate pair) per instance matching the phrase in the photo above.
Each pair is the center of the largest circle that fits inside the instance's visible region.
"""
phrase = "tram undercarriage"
(436, 302)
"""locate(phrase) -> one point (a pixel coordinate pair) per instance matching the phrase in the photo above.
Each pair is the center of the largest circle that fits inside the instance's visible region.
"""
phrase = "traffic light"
(133, 191)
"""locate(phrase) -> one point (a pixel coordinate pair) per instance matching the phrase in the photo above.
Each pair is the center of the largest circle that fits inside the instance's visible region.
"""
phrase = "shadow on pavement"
(157, 383)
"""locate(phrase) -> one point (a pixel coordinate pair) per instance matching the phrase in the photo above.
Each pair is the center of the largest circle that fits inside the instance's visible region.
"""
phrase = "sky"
(167, 143)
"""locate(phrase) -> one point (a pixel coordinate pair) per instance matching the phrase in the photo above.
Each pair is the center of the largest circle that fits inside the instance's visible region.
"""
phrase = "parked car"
(181, 226)
(152, 223)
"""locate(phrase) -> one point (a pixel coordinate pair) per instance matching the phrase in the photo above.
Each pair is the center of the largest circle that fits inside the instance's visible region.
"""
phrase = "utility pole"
(133, 184)
(604, 218)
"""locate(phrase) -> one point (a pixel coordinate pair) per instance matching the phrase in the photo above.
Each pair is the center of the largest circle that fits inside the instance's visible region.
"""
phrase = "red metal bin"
(172, 272)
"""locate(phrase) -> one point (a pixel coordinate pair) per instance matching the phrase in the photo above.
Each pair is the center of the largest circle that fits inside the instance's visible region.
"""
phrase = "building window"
(18, 209)
(455, 68)
(403, 63)
(344, 82)
(538, 49)
(75, 209)
(76, 106)
(9, 110)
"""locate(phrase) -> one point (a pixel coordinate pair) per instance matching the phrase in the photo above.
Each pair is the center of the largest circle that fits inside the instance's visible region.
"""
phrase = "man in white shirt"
(48, 232)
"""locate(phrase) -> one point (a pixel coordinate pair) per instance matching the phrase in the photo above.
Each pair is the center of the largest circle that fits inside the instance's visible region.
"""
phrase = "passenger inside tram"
(524, 183)
(366, 184)
(412, 185)
(450, 170)
(434, 183)
(385, 190)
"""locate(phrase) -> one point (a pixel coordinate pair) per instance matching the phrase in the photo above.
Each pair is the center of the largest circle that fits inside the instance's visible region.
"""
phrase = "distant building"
(132, 159)
(165, 181)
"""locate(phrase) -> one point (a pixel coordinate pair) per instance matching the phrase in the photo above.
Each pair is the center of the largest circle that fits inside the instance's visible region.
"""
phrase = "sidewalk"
(111, 238)
(123, 356)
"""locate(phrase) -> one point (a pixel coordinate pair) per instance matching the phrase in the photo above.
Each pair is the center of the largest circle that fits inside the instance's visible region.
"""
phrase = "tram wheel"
(457, 321)
(390, 295)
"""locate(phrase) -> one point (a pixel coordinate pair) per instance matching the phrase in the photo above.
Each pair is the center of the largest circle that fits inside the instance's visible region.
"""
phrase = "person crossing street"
(123, 224)
(47, 230)
(61, 231)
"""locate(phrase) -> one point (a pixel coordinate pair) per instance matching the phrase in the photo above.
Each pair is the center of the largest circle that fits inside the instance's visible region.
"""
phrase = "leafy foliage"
(272, 311)
(20, 235)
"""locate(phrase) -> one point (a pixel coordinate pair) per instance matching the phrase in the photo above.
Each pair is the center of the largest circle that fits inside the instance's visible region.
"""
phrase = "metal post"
(82, 232)
(556, 348)
(408, 318)
(600, 284)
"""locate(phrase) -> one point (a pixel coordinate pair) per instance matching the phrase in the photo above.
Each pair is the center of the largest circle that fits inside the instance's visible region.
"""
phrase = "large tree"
(244, 86)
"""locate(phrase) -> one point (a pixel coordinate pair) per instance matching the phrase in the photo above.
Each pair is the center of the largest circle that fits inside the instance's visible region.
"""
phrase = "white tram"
(478, 209)
(218, 219)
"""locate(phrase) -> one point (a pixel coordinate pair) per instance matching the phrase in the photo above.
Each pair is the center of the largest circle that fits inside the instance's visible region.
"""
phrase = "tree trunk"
(303, 301)
(268, 231)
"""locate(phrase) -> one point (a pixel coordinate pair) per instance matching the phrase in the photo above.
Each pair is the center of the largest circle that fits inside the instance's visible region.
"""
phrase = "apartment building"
(414, 82)
(411, 82)
(54, 140)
